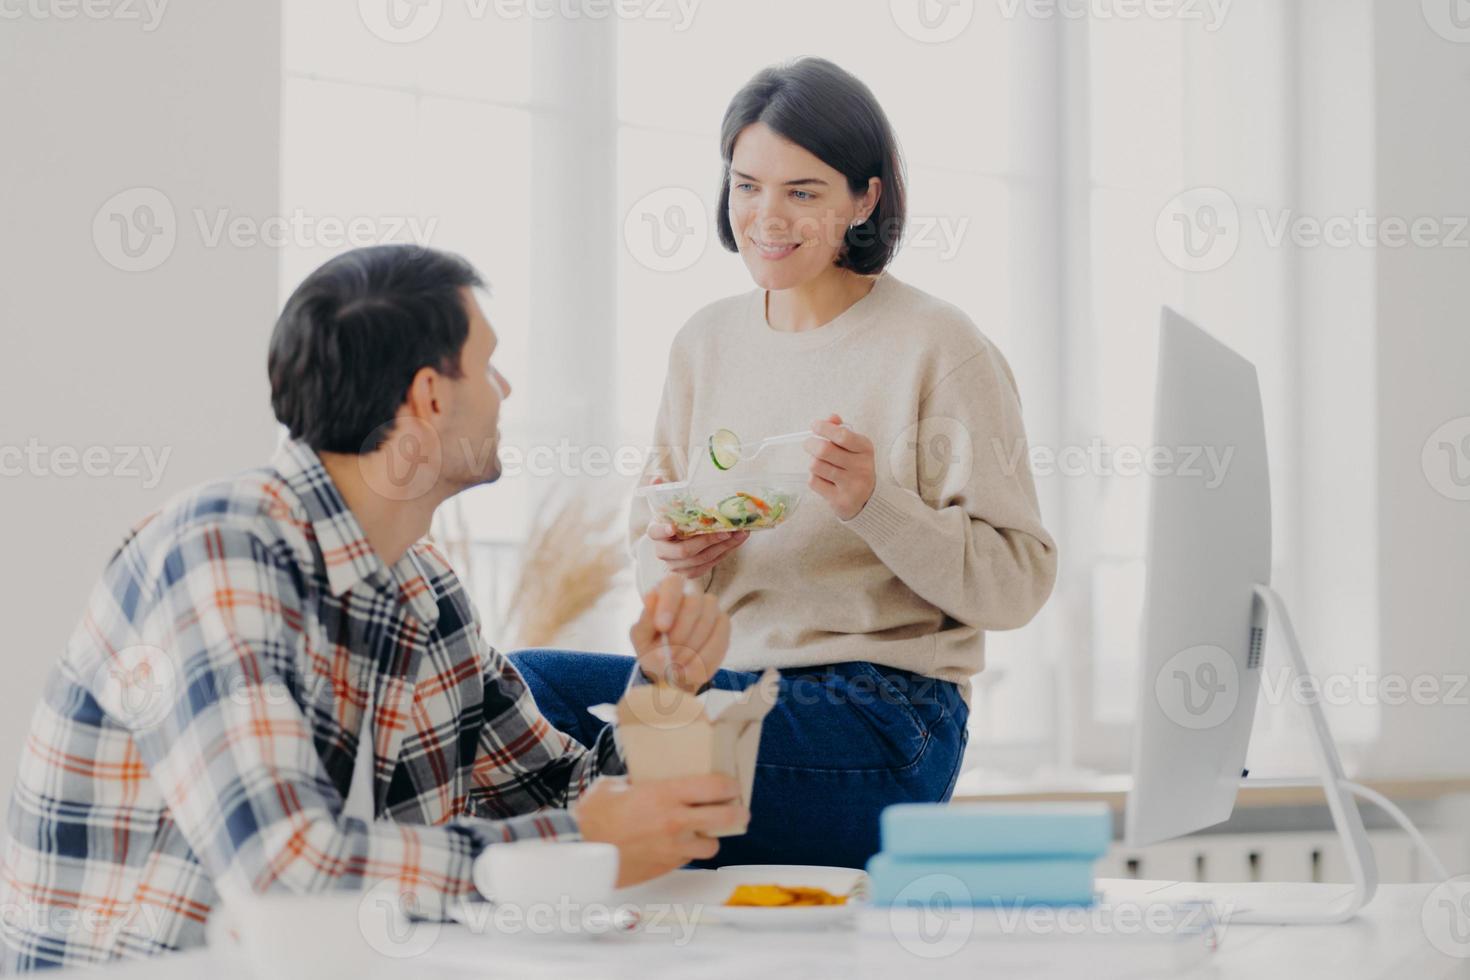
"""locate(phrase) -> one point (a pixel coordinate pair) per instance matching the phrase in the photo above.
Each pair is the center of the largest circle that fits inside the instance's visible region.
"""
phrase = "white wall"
(1422, 104)
(172, 358)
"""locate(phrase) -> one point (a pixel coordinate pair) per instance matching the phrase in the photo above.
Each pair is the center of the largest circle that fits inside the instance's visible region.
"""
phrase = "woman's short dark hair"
(833, 116)
(354, 334)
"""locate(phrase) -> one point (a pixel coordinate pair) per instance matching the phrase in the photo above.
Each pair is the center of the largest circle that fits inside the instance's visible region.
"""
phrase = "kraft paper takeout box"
(666, 733)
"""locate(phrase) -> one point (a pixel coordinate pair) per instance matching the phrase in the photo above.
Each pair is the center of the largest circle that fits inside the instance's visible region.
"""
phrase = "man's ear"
(425, 398)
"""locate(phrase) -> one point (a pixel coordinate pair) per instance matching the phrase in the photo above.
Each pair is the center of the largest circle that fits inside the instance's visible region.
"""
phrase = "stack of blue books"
(989, 854)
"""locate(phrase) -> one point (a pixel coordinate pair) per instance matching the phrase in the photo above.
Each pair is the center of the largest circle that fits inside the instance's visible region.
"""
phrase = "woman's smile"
(774, 251)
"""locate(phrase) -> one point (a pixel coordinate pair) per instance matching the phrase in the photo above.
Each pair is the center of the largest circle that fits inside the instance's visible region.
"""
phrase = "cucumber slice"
(724, 449)
(736, 510)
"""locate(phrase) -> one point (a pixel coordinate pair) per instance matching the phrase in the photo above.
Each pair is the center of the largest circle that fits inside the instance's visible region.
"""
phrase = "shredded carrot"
(760, 504)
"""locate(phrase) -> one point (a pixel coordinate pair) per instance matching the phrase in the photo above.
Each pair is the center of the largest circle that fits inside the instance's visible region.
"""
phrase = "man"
(279, 685)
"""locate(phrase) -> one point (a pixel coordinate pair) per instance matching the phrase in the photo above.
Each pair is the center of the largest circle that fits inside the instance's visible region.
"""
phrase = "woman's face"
(788, 209)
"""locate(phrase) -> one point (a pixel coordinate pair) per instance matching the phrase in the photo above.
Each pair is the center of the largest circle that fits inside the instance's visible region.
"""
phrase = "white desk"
(1387, 941)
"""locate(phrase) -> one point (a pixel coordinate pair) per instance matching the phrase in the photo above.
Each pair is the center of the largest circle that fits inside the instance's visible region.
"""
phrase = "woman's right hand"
(691, 557)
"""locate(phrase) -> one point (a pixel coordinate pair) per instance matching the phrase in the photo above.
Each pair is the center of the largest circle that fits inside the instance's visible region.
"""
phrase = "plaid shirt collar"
(345, 552)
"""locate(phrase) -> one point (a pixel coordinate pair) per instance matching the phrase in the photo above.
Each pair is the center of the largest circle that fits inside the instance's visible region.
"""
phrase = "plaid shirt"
(197, 738)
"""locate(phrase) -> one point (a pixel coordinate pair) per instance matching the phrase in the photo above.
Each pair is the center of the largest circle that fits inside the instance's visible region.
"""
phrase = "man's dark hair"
(354, 334)
(833, 116)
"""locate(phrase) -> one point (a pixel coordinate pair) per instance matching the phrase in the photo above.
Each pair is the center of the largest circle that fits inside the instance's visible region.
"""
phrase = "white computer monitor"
(1207, 606)
(1209, 546)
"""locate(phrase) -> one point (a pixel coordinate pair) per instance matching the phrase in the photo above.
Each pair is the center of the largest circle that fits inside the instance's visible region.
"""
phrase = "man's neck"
(391, 526)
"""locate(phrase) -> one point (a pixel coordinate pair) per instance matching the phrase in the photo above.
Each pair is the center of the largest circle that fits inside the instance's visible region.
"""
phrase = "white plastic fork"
(769, 442)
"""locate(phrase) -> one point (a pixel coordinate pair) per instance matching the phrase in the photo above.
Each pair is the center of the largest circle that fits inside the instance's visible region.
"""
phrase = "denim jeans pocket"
(840, 718)
(884, 691)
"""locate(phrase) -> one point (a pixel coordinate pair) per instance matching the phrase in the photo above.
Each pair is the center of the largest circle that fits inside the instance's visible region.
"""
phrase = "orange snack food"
(782, 896)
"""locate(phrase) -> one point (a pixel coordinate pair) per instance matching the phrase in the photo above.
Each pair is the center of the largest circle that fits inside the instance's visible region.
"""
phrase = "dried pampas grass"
(570, 562)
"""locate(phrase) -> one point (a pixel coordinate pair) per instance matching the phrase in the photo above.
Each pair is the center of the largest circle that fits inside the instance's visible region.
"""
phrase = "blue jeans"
(843, 742)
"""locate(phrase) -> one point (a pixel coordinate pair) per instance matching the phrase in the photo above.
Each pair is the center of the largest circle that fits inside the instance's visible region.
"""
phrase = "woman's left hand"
(842, 467)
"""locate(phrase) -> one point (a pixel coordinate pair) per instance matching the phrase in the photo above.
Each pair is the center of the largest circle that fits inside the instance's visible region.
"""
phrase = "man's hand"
(691, 557)
(842, 470)
(659, 826)
(680, 638)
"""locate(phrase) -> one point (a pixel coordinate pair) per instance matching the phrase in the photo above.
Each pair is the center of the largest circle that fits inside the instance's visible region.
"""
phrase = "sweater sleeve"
(971, 540)
(667, 459)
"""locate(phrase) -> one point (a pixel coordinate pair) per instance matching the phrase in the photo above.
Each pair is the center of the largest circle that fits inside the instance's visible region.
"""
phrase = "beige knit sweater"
(951, 543)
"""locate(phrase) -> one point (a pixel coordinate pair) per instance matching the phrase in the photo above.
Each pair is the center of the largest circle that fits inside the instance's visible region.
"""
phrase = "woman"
(921, 529)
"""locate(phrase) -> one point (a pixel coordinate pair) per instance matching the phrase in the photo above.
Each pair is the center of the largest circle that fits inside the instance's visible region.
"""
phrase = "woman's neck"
(816, 302)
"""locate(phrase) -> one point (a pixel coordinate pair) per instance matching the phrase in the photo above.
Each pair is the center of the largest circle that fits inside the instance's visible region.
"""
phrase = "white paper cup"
(547, 873)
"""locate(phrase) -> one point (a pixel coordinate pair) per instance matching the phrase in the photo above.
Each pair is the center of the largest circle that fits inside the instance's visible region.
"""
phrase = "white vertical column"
(573, 229)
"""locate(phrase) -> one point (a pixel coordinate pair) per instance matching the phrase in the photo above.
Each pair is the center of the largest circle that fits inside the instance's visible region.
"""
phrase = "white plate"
(703, 893)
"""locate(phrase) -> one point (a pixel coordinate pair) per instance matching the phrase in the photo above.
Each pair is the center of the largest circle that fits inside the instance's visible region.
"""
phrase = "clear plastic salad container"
(728, 503)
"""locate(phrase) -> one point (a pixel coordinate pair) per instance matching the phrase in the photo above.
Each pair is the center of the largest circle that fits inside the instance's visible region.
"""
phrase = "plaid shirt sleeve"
(234, 757)
(523, 763)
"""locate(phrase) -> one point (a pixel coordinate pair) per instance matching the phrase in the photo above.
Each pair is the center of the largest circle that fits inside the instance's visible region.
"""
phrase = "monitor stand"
(1266, 903)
